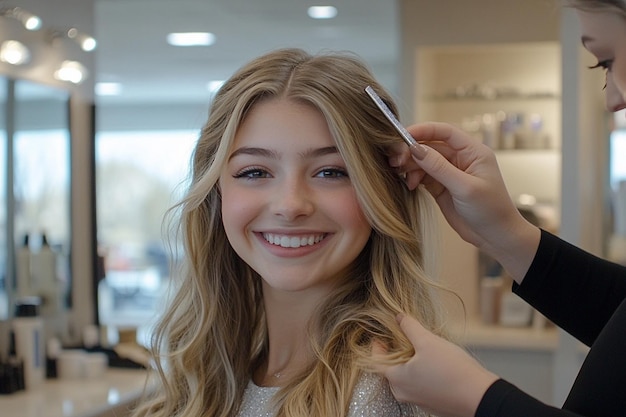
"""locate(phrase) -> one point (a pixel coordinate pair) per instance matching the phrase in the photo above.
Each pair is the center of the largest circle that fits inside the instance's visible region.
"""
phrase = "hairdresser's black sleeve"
(504, 399)
(586, 296)
(576, 290)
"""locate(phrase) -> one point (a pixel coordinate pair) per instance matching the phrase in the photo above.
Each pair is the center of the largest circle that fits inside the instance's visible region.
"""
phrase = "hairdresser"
(581, 293)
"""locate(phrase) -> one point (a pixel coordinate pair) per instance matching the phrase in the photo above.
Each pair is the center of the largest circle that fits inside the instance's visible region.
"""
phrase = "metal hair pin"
(391, 117)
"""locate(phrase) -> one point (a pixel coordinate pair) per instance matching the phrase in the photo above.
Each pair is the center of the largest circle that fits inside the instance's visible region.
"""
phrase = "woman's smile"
(293, 241)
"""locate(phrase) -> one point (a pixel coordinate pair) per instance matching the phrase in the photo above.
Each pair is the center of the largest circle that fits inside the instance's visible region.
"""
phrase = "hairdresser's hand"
(463, 176)
(441, 378)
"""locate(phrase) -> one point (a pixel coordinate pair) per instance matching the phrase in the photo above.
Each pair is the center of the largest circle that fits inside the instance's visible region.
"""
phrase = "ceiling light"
(108, 89)
(71, 71)
(214, 85)
(191, 39)
(322, 12)
(14, 52)
(86, 42)
(527, 200)
(27, 19)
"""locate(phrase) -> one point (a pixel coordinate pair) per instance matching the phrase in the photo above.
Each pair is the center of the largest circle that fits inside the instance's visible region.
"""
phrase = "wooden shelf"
(478, 335)
(474, 99)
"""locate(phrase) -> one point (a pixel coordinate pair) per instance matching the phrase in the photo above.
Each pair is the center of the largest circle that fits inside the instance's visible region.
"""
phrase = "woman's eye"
(252, 173)
(332, 173)
(606, 65)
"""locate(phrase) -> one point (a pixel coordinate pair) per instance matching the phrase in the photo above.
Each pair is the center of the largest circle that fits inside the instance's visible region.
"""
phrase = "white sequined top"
(372, 397)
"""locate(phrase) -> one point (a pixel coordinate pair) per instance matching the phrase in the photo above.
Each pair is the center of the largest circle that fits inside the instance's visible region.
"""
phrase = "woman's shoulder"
(372, 396)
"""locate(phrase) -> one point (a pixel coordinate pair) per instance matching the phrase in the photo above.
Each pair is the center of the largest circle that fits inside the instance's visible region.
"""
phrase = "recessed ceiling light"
(29, 20)
(322, 12)
(14, 52)
(108, 89)
(71, 71)
(214, 85)
(32, 23)
(85, 41)
(191, 39)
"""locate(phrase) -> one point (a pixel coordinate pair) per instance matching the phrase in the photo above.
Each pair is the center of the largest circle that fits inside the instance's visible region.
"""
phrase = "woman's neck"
(287, 317)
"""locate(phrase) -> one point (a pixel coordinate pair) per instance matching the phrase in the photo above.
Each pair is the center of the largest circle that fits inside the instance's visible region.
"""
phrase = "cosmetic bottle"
(490, 298)
(53, 350)
(44, 278)
(23, 269)
(29, 340)
(12, 371)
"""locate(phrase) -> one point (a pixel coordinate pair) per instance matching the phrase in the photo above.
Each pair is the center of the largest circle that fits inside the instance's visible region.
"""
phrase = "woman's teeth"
(292, 241)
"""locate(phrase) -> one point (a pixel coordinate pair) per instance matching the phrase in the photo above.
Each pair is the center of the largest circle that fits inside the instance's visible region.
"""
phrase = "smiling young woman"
(301, 247)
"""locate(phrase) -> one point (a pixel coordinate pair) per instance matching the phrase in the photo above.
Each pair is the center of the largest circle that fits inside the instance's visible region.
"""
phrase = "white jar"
(71, 364)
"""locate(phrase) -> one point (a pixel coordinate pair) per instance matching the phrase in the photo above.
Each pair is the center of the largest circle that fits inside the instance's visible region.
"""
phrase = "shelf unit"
(457, 83)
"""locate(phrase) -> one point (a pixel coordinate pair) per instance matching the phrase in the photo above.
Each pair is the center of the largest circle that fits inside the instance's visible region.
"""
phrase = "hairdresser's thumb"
(412, 328)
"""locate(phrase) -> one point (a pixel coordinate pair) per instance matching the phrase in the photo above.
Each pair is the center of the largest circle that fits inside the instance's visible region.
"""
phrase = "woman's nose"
(293, 199)
(614, 96)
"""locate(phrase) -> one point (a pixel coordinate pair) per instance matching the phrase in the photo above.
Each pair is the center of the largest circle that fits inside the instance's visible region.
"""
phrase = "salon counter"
(109, 395)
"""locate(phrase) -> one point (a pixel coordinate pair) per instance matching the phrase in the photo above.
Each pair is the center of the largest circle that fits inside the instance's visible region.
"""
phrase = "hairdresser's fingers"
(408, 167)
(442, 132)
(447, 174)
(399, 155)
(412, 328)
(434, 187)
(379, 350)
(414, 178)
(470, 166)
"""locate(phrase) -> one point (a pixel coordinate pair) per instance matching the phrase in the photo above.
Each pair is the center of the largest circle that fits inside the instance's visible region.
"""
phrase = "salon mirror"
(4, 282)
(36, 209)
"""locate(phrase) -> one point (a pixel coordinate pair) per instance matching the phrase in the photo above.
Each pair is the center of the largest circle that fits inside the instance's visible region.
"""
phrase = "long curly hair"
(213, 335)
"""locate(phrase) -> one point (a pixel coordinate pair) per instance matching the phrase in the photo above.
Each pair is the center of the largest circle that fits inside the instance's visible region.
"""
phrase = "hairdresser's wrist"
(475, 392)
(515, 248)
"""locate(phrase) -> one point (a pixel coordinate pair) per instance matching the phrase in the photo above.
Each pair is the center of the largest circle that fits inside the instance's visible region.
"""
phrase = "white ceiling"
(132, 49)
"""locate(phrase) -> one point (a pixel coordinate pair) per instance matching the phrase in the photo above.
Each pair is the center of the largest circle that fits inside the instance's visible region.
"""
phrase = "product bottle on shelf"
(490, 298)
(29, 340)
(45, 282)
(23, 269)
(11, 370)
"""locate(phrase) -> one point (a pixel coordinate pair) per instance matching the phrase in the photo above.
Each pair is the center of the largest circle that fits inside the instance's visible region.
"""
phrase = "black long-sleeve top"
(586, 296)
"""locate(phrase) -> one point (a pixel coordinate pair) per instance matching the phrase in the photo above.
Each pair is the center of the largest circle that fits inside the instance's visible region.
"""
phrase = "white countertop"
(77, 398)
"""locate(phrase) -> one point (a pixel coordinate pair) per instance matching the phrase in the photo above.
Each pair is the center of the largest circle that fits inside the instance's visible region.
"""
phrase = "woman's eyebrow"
(316, 152)
(272, 154)
(247, 150)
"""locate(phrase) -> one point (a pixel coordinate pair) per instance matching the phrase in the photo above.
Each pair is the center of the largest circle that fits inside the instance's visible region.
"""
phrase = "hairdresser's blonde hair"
(213, 334)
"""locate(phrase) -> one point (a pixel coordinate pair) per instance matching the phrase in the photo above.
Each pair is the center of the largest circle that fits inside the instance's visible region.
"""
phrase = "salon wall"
(46, 57)
(453, 22)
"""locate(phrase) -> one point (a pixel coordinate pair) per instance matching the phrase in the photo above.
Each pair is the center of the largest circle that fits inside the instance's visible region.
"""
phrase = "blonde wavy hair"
(213, 334)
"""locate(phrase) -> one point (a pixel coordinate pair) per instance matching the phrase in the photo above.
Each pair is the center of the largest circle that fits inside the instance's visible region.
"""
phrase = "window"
(139, 176)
